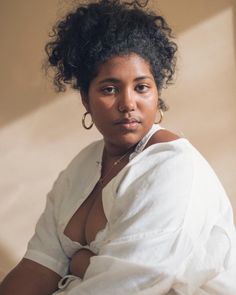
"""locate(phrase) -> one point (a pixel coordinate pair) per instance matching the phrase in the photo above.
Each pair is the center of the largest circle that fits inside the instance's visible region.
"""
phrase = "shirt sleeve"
(44, 247)
(149, 249)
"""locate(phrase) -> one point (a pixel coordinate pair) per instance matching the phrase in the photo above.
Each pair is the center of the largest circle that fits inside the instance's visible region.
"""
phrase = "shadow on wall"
(184, 14)
(24, 27)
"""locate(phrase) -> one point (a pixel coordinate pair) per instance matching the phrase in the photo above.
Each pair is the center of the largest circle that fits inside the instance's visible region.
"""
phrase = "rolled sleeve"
(45, 247)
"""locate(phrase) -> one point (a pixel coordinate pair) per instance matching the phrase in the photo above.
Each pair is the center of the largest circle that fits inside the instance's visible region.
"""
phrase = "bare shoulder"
(162, 135)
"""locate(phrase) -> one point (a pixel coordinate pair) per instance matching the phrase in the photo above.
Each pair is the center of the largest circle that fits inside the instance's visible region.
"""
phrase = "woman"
(141, 211)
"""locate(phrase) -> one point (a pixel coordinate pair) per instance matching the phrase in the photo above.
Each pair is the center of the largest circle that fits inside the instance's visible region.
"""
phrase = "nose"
(126, 102)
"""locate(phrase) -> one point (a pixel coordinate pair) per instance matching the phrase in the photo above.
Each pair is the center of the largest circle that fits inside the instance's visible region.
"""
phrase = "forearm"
(29, 278)
(80, 262)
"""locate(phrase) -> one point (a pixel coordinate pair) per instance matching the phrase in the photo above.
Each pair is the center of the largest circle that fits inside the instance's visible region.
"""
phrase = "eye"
(109, 90)
(142, 88)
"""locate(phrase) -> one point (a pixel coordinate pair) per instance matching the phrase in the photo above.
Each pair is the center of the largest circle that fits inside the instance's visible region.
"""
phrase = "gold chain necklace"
(101, 180)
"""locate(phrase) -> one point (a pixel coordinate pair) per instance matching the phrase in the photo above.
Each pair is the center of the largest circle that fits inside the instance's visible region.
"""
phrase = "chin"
(127, 140)
(124, 137)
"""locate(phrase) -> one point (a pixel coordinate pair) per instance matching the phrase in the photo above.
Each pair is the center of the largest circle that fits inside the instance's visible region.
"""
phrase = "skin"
(124, 89)
(29, 278)
(122, 100)
(80, 262)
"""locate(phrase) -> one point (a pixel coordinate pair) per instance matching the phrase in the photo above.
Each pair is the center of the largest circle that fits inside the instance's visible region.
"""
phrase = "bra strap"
(141, 145)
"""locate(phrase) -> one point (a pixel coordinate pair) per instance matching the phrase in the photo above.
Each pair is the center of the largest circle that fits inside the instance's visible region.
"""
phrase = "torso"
(90, 218)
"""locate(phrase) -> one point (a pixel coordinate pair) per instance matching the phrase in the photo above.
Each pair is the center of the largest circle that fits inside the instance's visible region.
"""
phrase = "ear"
(85, 100)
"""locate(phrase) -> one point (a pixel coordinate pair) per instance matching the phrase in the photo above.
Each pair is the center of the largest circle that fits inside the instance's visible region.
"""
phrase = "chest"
(88, 220)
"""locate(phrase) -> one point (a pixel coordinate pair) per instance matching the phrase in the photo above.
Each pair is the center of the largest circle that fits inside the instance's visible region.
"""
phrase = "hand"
(80, 262)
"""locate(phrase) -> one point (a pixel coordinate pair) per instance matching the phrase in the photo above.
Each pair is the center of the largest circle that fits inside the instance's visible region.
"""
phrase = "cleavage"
(88, 219)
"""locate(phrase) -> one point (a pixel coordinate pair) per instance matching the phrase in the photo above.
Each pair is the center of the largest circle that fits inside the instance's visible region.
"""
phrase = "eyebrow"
(115, 80)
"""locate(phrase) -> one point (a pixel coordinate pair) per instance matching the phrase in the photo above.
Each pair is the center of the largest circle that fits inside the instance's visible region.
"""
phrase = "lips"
(128, 124)
(127, 121)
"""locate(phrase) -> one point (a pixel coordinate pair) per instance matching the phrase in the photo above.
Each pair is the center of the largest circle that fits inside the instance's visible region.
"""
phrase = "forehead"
(131, 65)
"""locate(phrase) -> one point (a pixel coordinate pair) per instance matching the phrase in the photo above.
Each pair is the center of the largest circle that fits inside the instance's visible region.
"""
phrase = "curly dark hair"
(93, 33)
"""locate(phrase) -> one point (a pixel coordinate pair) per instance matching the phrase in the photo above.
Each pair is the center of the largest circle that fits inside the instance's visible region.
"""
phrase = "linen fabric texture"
(169, 225)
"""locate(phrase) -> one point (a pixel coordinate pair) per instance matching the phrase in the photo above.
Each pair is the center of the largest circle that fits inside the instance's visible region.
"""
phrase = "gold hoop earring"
(161, 116)
(84, 123)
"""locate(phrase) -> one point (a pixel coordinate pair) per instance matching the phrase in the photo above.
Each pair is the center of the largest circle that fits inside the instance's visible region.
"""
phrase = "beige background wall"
(40, 131)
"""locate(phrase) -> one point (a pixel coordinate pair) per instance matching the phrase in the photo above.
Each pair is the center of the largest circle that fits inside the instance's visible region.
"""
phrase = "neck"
(113, 152)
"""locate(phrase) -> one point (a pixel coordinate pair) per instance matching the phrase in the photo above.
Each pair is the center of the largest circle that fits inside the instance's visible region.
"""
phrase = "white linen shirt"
(169, 225)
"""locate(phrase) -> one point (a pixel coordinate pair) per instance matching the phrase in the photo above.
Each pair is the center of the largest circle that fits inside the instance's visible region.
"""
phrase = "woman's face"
(122, 100)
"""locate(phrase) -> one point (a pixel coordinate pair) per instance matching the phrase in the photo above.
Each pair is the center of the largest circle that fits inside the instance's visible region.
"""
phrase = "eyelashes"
(111, 90)
(142, 88)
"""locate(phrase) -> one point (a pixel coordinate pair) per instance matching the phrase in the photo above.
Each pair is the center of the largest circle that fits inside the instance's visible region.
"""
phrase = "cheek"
(150, 109)
(150, 104)
(102, 106)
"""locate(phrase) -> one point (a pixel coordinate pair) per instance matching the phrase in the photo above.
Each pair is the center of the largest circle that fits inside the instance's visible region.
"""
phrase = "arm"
(80, 262)
(29, 278)
(45, 261)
